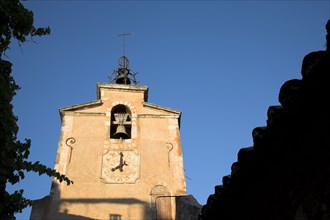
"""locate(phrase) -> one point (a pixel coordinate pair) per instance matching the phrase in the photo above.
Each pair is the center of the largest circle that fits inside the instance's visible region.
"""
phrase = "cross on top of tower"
(124, 35)
(123, 75)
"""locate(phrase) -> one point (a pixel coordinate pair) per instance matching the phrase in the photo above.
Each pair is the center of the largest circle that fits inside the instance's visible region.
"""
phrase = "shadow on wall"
(53, 207)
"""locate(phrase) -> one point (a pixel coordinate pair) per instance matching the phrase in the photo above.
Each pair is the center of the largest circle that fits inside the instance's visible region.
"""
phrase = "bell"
(120, 132)
(123, 79)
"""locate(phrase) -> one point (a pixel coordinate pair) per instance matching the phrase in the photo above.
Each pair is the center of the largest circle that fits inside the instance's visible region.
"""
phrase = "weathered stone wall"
(116, 178)
(286, 173)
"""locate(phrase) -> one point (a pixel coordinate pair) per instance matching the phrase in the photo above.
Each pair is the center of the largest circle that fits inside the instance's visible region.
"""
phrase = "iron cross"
(124, 35)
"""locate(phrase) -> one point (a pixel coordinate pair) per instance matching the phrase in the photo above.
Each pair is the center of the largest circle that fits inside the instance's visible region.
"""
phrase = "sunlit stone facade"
(132, 172)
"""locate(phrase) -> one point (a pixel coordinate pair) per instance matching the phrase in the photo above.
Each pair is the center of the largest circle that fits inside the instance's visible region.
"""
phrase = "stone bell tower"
(122, 153)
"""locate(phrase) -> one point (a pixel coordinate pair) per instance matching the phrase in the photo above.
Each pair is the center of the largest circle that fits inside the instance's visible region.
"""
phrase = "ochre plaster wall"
(84, 141)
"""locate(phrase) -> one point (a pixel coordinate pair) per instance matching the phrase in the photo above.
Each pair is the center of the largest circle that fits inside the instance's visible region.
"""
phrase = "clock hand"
(121, 158)
(122, 163)
(115, 168)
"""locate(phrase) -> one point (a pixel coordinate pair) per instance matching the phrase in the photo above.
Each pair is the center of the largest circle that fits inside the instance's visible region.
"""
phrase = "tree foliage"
(16, 22)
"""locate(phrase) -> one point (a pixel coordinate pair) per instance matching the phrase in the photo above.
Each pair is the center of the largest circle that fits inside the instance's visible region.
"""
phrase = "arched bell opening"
(121, 122)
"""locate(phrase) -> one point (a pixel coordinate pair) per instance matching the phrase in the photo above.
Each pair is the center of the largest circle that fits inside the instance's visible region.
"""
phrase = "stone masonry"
(124, 156)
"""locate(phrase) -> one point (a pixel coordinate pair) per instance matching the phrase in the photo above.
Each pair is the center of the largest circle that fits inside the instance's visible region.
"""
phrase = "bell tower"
(122, 153)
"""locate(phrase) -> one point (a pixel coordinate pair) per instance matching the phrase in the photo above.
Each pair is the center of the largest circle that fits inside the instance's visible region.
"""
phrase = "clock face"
(120, 167)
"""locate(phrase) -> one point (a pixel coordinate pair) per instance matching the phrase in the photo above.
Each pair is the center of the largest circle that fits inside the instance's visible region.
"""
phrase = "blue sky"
(221, 63)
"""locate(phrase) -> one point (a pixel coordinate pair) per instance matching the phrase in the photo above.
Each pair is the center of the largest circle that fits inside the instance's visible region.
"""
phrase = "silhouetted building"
(285, 175)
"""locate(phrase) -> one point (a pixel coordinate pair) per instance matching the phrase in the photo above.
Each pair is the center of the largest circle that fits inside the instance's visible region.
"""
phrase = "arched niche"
(161, 202)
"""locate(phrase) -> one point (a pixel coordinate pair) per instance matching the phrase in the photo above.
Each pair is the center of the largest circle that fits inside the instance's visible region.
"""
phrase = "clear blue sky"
(221, 63)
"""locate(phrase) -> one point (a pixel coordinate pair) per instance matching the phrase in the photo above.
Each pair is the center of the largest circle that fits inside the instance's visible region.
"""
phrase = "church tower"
(122, 153)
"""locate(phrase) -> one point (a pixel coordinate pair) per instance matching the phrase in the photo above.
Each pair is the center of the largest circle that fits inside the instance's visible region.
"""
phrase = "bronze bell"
(120, 120)
(122, 78)
(120, 132)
